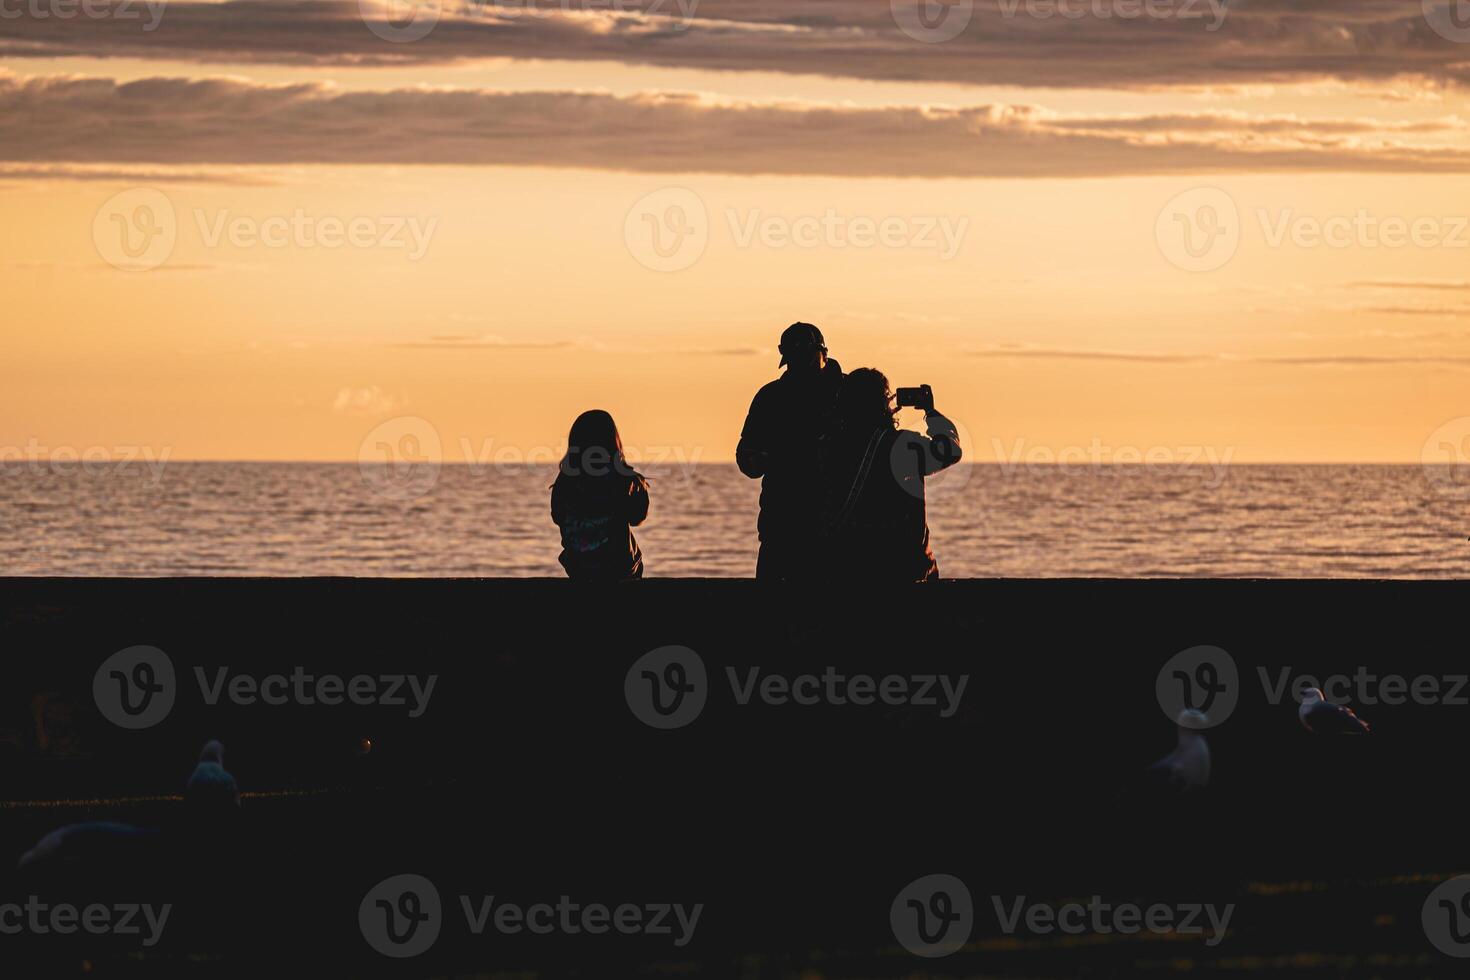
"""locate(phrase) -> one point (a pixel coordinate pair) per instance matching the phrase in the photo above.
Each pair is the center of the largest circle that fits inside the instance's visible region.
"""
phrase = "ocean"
(987, 520)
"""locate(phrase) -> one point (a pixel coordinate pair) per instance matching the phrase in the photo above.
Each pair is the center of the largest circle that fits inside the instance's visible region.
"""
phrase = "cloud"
(234, 122)
(129, 175)
(1430, 284)
(1297, 360)
(725, 351)
(1069, 354)
(1418, 310)
(453, 342)
(480, 342)
(366, 401)
(1006, 42)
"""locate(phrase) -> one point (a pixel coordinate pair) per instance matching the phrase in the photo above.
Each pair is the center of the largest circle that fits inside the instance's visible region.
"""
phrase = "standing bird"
(1322, 717)
(211, 789)
(1187, 768)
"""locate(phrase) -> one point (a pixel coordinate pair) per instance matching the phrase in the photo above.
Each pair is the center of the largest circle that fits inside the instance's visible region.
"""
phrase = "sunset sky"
(263, 228)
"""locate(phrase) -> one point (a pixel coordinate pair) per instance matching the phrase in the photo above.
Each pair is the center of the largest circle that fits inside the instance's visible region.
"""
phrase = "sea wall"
(505, 739)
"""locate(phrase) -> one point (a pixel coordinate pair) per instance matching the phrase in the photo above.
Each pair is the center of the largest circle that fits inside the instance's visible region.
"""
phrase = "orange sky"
(440, 241)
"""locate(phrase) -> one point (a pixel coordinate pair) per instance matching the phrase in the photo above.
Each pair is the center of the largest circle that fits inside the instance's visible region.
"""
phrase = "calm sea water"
(987, 520)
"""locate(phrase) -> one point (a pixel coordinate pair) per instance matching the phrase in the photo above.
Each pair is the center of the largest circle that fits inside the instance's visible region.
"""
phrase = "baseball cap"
(801, 336)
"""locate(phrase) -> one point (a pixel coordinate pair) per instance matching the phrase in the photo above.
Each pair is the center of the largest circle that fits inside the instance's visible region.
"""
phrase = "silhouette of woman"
(596, 500)
(875, 524)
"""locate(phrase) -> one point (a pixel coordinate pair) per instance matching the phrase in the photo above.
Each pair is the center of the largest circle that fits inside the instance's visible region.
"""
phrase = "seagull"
(1320, 716)
(211, 787)
(1187, 768)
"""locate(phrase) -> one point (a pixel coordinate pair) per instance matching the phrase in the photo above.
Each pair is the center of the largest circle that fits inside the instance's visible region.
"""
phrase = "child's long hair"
(594, 449)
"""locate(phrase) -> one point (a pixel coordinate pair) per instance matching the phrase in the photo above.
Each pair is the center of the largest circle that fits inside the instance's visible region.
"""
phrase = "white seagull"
(1320, 716)
(1188, 766)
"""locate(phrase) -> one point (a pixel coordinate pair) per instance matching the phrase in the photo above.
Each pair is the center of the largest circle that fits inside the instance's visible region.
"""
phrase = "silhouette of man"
(780, 446)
